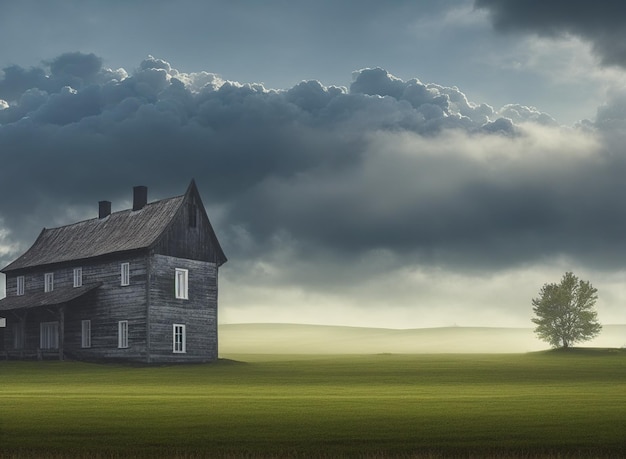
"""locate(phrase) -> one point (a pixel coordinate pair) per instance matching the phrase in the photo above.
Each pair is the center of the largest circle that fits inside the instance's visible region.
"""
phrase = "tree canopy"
(566, 312)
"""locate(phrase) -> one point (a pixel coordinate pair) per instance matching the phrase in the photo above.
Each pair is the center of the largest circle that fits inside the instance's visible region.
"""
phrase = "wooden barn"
(135, 285)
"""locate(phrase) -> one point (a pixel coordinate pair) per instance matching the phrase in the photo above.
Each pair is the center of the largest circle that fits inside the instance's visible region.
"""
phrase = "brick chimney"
(140, 197)
(104, 209)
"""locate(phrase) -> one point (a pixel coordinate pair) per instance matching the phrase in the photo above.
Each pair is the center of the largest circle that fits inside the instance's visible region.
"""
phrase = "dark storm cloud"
(71, 69)
(602, 22)
(83, 67)
(405, 167)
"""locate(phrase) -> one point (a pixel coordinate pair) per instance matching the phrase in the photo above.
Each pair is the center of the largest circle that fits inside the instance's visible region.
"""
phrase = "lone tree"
(565, 312)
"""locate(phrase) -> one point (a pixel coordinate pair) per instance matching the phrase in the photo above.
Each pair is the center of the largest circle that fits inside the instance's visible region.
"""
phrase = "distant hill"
(323, 339)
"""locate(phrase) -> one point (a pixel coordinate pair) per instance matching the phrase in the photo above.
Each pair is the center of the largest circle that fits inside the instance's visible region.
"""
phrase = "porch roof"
(55, 297)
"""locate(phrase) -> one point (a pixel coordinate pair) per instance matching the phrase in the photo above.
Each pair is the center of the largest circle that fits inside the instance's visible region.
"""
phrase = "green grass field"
(519, 405)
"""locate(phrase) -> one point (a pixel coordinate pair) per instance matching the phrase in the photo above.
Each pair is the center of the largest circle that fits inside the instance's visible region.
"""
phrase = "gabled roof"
(121, 231)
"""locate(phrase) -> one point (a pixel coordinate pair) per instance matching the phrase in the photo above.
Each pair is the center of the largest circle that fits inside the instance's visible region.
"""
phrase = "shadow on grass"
(579, 351)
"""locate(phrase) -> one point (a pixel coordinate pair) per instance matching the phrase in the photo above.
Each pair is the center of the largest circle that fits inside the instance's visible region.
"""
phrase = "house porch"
(35, 324)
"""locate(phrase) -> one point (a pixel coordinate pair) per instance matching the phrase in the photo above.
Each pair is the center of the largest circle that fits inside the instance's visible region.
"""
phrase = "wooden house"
(135, 285)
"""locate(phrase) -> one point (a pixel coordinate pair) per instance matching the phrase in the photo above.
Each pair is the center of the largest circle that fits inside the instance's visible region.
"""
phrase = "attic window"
(193, 215)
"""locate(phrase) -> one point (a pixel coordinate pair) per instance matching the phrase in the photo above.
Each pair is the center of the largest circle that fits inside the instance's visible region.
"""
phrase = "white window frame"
(48, 282)
(49, 335)
(182, 284)
(122, 334)
(78, 277)
(21, 283)
(85, 333)
(125, 274)
(179, 339)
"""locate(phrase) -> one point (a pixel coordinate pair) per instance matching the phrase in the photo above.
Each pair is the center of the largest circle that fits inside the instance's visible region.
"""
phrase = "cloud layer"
(315, 188)
(603, 22)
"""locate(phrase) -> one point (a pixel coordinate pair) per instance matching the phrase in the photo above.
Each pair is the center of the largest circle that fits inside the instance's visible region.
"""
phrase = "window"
(78, 277)
(18, 336)
(181, 283)
(122, 334)
(20, 285)
(48, 285)
(85, 337)
(180, 344)
(125, 273)
(49, 335)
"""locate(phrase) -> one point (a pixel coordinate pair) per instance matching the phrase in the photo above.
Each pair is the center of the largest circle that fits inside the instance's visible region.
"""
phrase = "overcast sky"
(398, 164)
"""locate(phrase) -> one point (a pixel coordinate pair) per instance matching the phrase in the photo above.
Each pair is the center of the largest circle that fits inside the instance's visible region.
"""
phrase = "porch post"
(23, 334)
(61, 330)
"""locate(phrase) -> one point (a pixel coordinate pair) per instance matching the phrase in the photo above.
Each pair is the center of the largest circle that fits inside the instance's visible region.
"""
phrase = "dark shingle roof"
(119, 232)
(36, 299)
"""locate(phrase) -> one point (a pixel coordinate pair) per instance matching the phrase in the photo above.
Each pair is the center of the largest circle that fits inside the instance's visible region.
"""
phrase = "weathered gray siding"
(162, 236)
(111, 304)
(105, 307)
(11, 284)
(33, 281)
(190, 234)
(198, 313)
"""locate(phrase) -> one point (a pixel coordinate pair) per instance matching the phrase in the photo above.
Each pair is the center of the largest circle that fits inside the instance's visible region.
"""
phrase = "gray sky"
(401, 164)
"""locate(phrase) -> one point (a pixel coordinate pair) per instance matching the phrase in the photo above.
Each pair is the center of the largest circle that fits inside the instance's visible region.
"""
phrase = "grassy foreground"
(524, 405)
